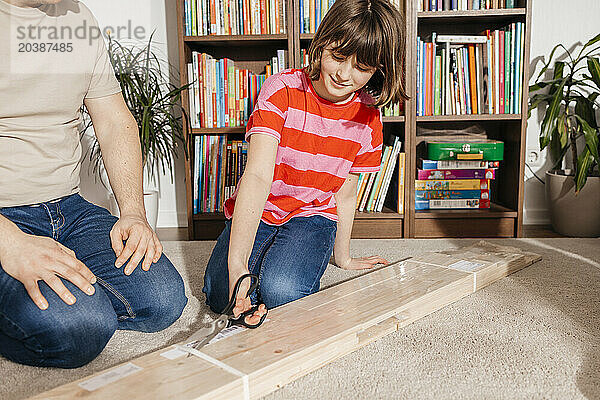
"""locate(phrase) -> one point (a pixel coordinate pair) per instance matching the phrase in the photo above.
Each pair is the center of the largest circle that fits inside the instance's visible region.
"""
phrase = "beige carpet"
(533, 335)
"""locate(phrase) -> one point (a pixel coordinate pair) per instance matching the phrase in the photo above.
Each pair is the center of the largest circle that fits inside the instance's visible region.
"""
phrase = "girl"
(311, 132)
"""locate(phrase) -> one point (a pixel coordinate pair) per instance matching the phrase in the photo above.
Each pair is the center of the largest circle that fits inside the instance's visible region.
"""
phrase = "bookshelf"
(505, 216)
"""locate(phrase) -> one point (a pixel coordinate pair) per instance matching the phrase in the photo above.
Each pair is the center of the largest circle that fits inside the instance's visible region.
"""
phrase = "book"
(365, 197)
(379, 178)
(391, 168)
(461, 38)
(452, 194)
(451, 204)
(401, 173)
(457, 164)
(453, 184)
(437, 174)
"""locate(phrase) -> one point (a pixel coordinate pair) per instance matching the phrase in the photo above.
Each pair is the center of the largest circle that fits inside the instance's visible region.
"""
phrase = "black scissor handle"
(253, 285)
(241, 320)
(229, 309)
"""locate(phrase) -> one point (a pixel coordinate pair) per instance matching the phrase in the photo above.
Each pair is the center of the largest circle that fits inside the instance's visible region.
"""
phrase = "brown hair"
(373, 30)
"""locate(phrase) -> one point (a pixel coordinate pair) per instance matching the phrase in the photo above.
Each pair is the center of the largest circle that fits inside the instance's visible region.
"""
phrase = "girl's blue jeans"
(289, 261)
(70, 336)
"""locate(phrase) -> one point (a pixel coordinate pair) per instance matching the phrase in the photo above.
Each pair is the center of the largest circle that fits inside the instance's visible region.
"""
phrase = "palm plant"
(153, 102)
(571, 101)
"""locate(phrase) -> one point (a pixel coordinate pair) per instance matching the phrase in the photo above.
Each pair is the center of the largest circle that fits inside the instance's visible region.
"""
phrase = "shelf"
(494, 13)
(242, 129)
(469, 117)
(218, 131)
(495, 211)
(387, 213)
(235, 39)
(503, 219)
(400, 118)
(209, 216)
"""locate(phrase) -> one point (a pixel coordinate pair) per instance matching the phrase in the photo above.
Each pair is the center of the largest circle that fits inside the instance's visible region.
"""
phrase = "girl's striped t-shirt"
(320, 143)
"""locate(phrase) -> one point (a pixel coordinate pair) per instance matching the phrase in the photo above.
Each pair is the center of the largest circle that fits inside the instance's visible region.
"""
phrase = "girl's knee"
(276, 292)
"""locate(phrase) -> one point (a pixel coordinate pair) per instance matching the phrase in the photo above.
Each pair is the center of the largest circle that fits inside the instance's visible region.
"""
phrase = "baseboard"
(171, 219)
(536, 217)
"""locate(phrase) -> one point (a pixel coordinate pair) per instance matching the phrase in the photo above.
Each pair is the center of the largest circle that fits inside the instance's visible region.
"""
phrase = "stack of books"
(457, 174)
(223, 95)
(312, 13)
(218, 167)
(446, 5)
(234, 17)
(481, 74)
(373, 187)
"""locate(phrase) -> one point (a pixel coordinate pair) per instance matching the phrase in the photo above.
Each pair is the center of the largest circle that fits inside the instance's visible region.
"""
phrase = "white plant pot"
(573, 215)
(150, 204)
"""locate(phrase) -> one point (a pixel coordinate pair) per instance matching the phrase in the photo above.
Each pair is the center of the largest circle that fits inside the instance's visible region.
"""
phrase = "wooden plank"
(306, 334)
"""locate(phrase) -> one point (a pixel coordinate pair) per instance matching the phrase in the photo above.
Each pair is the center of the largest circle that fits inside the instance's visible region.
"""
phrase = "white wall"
(553, 22)
(151, 15)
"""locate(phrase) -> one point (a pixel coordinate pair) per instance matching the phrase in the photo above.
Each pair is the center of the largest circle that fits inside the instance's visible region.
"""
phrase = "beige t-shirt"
(51, 59)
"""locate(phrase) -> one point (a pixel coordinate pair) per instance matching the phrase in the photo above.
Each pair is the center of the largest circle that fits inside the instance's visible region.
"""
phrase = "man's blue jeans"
(289, 261)
(70, 336)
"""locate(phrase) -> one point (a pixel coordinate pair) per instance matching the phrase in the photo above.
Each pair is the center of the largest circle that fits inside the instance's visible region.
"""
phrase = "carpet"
(532, 335)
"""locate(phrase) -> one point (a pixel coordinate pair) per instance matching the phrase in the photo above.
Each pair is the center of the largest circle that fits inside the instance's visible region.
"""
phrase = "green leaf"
(553, 111)
(591, 138)
(585, 109)
(593, 40)
(545, 67)
(594, 67)
(559, 67)
(584, 163)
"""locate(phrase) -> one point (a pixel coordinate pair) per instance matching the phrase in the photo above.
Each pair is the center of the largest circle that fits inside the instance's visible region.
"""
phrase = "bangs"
(371, 30)
(358, 36)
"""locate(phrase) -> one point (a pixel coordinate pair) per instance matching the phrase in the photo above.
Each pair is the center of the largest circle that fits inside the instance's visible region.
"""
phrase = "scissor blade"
(201, 333)
(218, 325)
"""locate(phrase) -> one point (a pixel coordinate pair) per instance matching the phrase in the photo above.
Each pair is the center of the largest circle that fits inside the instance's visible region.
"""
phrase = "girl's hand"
(242, 302)
(362, 263)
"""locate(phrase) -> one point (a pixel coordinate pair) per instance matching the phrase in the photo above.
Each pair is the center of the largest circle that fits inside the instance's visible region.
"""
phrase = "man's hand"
(140, 243)
(242, 302)
(30, 259)
(362, 263)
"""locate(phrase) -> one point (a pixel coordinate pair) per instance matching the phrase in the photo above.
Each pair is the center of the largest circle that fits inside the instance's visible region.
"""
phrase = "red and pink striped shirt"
(320, 143)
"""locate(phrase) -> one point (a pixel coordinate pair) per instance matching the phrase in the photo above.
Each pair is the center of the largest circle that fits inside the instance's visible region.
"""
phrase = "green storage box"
(489, 150)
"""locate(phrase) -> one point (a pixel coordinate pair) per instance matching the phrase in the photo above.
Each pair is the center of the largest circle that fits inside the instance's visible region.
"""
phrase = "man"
(70, 273)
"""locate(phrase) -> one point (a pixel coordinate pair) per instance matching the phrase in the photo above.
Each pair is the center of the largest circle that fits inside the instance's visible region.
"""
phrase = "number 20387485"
(45, 47)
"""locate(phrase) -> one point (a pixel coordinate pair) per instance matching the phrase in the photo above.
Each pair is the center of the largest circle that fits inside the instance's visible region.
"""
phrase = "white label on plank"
(464, 265)
(109, 377)
(173, 354)
(225, 333)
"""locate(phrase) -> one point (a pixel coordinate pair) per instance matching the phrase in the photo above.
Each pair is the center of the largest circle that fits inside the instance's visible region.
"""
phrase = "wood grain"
(306, 334)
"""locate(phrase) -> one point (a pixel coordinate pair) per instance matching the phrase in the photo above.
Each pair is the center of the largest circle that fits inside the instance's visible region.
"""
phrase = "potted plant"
(155, 105)
(569, 126)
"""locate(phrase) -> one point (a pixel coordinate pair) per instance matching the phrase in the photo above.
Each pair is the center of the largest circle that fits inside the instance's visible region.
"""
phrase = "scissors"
(226, 319)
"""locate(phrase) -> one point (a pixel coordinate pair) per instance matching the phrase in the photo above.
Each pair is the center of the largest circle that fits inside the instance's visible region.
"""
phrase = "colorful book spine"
(453, 184)
(437, 174)
(451, 204)
(451, 194)
(452, 164)
(391, 168)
